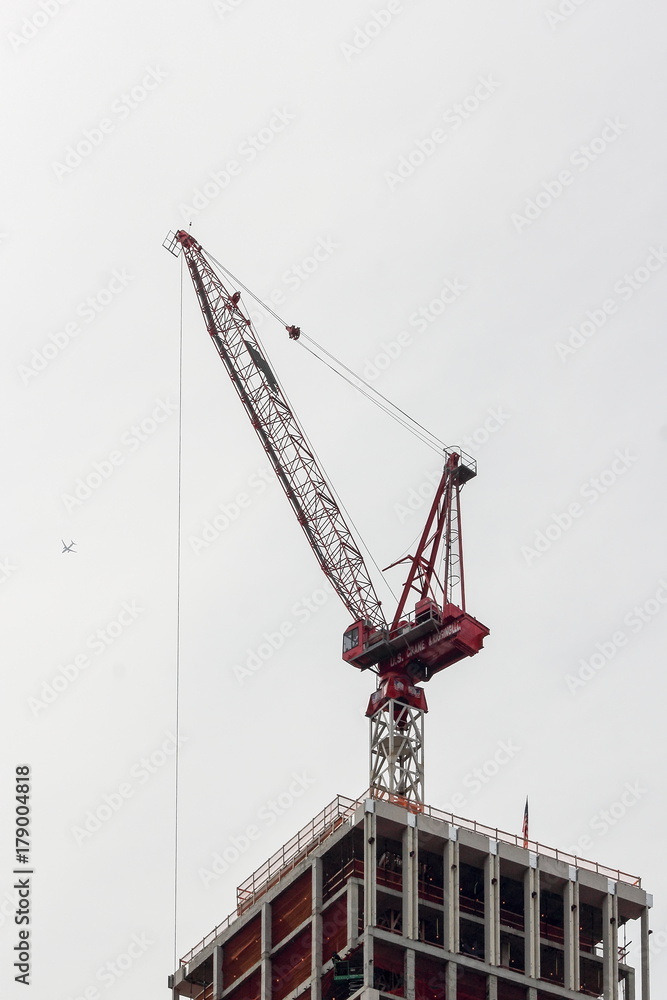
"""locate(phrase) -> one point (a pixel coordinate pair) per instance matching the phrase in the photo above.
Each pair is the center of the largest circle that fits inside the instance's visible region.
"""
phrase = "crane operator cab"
(433, 639)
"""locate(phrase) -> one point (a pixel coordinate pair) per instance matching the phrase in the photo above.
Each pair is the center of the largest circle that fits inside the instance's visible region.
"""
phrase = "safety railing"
(295, 850)
(290, 854)
(341, 809)
(516, 839)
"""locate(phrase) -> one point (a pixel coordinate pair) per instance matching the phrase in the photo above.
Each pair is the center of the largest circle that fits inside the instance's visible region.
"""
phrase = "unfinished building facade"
(382, 898)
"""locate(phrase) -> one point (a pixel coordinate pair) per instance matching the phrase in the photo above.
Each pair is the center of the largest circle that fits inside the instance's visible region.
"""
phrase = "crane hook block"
(294, 332)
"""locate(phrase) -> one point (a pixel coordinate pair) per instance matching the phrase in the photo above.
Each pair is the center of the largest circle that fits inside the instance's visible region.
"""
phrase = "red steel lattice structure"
(282, 437)
(418, 644)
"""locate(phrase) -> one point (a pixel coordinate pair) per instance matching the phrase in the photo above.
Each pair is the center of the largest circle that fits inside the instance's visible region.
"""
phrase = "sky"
(464, 202)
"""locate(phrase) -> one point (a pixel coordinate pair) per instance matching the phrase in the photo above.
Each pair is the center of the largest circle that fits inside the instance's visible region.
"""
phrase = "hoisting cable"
(391, 409)
(439, 448)
(309, 442)
(434, 442)
(178, 616)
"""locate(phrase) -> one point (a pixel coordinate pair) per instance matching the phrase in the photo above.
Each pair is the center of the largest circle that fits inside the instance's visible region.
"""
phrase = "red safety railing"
(341, 809)
(290, 854)
(295, 850)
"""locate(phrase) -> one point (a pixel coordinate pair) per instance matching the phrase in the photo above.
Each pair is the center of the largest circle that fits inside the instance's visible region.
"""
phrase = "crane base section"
(433, 640)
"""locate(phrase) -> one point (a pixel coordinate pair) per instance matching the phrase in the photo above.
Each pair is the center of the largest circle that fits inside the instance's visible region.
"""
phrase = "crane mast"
(420, 642)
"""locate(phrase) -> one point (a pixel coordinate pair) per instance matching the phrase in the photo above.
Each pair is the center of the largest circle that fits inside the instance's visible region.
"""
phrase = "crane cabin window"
(351, 639)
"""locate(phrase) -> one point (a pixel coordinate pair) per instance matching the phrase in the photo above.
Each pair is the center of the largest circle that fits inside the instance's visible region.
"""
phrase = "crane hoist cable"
(275, 379)
(346, 373)
(177, 683)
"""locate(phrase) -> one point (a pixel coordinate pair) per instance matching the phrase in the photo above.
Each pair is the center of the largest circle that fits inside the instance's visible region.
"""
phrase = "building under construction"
(385, 896)
(376, 899)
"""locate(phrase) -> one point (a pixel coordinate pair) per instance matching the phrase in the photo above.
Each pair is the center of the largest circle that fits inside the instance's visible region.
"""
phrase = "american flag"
(524, 830)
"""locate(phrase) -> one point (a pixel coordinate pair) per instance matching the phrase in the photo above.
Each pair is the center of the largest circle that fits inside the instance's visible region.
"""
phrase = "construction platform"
(377, 899)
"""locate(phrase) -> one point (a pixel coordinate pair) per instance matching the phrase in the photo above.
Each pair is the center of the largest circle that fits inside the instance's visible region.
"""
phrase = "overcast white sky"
(364, 160)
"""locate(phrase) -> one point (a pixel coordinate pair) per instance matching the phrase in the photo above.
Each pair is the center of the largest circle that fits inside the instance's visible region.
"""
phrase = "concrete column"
(451, 893)
(492, 905)
(409, 974)
(316, 930)
(532, 993)
(352, 914)
(630, 985)
(370, 865)
(451, 981)
(610, 945)
(369, 963)
(491, 988)
(571, 932)
(646, 986)
(265, 954)
(410, 879)
(217, 972)
(531, 909)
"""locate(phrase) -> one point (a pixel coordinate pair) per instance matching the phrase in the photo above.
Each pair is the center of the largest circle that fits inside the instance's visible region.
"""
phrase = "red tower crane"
(422, 639)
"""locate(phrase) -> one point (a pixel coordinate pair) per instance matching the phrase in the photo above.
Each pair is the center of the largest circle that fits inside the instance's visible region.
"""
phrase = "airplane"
(68, 548)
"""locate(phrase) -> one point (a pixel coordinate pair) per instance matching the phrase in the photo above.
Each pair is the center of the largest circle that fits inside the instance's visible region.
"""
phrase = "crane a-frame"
(431, 628)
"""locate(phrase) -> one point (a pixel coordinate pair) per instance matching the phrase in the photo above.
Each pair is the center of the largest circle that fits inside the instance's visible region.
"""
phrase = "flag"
(524, 830)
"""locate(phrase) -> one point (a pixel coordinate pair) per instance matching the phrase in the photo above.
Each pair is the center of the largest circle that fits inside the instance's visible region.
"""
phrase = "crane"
(430, 629)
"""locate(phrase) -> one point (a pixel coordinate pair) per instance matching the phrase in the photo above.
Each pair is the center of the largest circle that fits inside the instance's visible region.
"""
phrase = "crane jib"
(283, 440)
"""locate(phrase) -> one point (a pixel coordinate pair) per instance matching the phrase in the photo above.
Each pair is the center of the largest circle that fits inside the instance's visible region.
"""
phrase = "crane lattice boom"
(282, 437)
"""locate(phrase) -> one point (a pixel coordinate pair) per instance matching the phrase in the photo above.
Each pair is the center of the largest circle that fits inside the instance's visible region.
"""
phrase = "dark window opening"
(590, 977)
(511, 903)
(389, 862)
(471, 890)
(590, 927)
(431, 876)
(430, 927)
(471, 939)
(512, 952)
(552, 965)
(551, 916)
(342, 862)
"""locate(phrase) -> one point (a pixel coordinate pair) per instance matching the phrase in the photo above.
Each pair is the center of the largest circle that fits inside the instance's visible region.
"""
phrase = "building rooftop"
(343, 810)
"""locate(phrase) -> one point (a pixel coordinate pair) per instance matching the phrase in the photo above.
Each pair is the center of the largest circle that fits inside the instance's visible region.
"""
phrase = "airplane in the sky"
(68, 548)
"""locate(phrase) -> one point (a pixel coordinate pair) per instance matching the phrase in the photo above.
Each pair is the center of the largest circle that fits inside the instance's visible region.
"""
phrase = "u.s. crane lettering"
(22, 917)
(419, 647)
